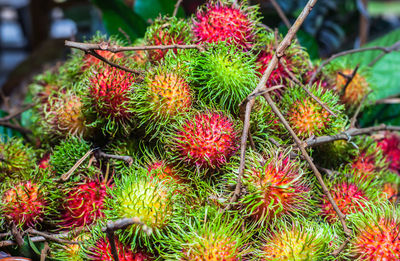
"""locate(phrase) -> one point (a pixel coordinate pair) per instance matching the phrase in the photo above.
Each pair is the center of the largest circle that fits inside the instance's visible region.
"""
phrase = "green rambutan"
(307, 117)
(376, 233)
(224, 75)
(205, 139)
(167, 31)
(24, 203)
(110, 94)
(136, 194)
(300, 239)
(207, 236)
(165, 95)
(222, 21)
(68, 153)
(15, 157)
(274, 186)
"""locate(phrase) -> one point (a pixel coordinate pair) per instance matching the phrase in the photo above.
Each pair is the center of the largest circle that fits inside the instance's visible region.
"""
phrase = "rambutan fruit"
(167, 31)
(307, 117)
(224, 75)
(390, 146)
(390, 187)
(376, 233)
(222, 21)
(137, 195)
(63, 115)
(351, 194)
(205, 139)
(355, 90)
(110, 94)
(299, 239)
(293, 62)
(165, 95)
(207, 236)
(369, 163)
(24, 203)
(69, 252)
(84, 203)
(274, 186)
(68, 153)
(90, 60)
(15, 157)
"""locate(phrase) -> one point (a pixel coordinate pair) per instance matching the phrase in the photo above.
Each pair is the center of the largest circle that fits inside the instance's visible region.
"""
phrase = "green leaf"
(117, 15)
(382, 113)
(151, 9)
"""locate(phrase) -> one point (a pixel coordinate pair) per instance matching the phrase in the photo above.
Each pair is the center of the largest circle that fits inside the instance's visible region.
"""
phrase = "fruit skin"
(15, 158)
(167, 31)
(84, 203)
(220, 21)
(274, 186)
(109, 99)
(299, 239)
(63, 115)
(376, 233)
(68, 153)
(390, 146)
(206, 235)
(24, 203)
(152, 201)
(204, 139)
(295, 60)
(350, 192)
(165, 95)
(307, 117)
(355, 90)
(224, 75)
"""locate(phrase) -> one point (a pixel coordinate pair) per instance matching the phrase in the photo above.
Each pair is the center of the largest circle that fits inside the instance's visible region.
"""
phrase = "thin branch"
(341, 247)
(45, 250)
(121, 67)
(35, 239)
(349, 79)
(127, 159)
(51, 237)
(17, 113)
(346, 135)
(17, 235)
(178, 3)
(66, 175)
(86, 47)
(385, 50)
(16, 127)
(388, 101)
(299, 143)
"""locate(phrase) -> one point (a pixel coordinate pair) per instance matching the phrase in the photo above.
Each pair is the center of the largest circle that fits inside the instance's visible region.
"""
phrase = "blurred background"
(32, 32)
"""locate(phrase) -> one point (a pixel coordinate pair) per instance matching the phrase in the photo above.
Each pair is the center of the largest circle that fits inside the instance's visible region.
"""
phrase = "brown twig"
(16, 127)
(66, 175)
(17, 234)
(45, 250)
(127, 159)
(388, 101)
(17, 113)
(116, 48)
(385, 50)
(121, 67)
(341, 247)
(51, 237)
(35, 239)
(349, 79)
(125, 34)
(178, 3)
(346, 135)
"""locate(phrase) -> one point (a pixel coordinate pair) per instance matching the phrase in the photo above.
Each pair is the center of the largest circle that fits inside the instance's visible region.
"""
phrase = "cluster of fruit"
(176, 114)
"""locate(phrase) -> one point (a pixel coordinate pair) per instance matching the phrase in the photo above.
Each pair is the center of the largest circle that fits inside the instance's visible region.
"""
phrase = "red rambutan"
(102, 252)
(206, 139)
(348, 197)
(390, 146)
(24, 204)
(84, 204)
(222, 21)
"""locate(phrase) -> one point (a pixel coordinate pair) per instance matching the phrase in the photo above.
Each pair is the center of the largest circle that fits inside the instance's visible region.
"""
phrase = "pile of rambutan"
(155, 153)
